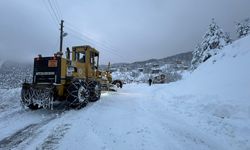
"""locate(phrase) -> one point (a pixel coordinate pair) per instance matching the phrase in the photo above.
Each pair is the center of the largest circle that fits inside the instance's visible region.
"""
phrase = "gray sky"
(122, 30)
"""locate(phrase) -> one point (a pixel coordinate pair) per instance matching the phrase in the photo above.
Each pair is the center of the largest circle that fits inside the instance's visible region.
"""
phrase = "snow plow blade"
(37, 96)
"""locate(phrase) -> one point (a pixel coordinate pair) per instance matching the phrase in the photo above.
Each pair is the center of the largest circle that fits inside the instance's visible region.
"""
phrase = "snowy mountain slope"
(13, 74)
(208, 110)
(217, 92)
(171, 66)
(185, 58)
(226, 73)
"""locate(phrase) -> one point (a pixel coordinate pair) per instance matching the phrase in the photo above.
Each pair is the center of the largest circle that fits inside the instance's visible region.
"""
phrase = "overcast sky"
(122, 30)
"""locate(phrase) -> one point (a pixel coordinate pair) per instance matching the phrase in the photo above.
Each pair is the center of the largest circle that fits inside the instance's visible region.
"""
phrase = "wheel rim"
(97, 90)
(118, 84)
(82, 94)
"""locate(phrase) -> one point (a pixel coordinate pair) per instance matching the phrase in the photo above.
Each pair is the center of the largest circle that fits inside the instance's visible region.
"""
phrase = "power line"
(54, 12)
(57, 8)
(88, 36)
(53, 17)
(96, 42)
(91, 37)
(50, 13)
(93, 42)
(81, 39)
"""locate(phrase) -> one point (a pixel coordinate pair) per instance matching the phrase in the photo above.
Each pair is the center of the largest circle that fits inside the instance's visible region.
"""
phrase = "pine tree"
(196, 57)
(228, 38)
(243, 28)
(213, 40)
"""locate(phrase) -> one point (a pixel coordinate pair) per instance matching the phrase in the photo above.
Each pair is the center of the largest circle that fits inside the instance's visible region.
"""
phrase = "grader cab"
(74, 79)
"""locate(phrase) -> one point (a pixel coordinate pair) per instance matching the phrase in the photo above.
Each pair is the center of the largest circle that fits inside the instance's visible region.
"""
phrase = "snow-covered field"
(207, 110)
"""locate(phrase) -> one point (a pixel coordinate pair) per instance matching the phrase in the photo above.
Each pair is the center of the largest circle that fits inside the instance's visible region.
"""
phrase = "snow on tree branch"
(213, 40)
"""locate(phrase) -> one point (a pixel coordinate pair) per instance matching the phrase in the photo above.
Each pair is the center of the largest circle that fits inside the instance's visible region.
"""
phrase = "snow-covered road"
(136, 117)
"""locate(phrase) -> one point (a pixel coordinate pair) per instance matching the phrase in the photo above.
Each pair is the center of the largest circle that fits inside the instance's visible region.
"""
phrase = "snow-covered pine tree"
(196, 57)
(213, 40)
(243, 28)
(228, 38)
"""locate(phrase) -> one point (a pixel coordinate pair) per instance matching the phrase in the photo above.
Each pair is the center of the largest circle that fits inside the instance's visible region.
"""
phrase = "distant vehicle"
(159, 79)
(140, 69)
(157, 76)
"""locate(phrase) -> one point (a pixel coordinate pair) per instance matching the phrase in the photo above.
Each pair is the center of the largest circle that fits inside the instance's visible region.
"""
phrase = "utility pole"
(61, 36)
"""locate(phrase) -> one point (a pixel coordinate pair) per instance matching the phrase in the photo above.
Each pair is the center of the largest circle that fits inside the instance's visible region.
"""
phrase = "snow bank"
(225, 74)
(217, 94)
(224, 77)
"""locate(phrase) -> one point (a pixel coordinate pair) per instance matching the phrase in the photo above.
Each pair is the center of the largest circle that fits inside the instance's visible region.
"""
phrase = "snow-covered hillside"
(13, 74)
(226, 73)
(217, 92)
(172, 67)
(208, 110)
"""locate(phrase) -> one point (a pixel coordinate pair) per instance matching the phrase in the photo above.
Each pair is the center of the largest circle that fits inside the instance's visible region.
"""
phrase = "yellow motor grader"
(75, 79)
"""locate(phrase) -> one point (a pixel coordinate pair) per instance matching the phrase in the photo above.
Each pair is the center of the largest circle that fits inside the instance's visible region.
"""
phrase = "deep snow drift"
(208, 110)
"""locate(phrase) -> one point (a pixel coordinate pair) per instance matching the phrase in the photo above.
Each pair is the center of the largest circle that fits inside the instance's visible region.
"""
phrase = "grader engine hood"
(47, 70)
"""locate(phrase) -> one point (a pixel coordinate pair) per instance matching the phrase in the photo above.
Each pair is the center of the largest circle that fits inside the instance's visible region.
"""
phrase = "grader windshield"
(86, 59)
(94, 60)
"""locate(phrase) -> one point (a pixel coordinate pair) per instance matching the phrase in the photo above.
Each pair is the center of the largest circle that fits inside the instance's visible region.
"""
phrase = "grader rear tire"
(33, 106)
(26, 98)
(95, 90)
(78, 94)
